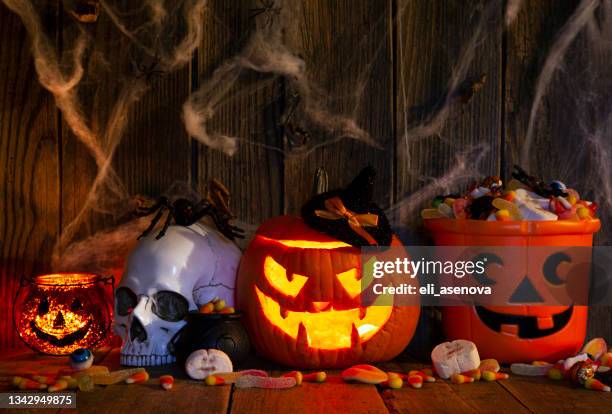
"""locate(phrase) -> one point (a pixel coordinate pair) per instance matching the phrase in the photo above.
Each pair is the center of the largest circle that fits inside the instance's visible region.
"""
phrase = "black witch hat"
(349, 214)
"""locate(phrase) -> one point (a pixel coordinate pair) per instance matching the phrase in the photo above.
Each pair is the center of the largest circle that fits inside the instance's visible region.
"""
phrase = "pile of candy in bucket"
(524, 197)
(457, 361)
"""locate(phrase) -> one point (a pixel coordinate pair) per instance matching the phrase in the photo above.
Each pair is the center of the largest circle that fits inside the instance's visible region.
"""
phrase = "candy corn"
(461, 379)
(166, 382)
(320, 376)
(422, 374)
(138, 378)
(415, 381)
(214, 380)
(595, 384)
(28, 384)
(295, 374)
(60, 385)
(473, 373)
(394, 382)
(494, 376)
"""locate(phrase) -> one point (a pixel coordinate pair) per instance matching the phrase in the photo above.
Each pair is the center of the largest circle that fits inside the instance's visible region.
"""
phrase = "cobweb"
(167, 34)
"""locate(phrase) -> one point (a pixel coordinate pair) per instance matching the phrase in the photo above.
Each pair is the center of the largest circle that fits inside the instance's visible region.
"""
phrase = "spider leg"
(162, 233)
(153, 222)
(162, 202)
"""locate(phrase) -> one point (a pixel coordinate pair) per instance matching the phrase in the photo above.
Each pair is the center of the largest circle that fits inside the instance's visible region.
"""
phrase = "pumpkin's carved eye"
(551, 265)
(350, 282)
(277, 276)
(489, 259)
(43, 306)
(76, 305)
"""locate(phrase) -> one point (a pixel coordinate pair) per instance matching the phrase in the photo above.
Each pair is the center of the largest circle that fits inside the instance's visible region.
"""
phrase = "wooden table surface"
(516, 395)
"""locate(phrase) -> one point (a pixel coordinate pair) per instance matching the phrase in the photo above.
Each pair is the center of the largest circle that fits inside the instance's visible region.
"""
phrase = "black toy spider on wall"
(267, 10)
(185, 213)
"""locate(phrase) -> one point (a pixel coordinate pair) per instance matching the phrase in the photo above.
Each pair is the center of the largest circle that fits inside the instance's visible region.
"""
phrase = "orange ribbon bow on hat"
(335, 210)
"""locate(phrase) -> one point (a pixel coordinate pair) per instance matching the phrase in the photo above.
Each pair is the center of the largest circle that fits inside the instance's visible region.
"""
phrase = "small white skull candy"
(205, 362)
(165, 279)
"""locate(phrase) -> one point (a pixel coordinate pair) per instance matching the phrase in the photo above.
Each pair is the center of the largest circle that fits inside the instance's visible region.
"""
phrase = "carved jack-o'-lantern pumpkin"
(58, 313)
(300, 291)
(521, 331)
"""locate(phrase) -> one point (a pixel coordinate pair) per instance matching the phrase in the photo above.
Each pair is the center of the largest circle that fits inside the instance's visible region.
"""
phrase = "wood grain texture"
(444, 397)
(330, 397)
(424, 74)
(254, 174)
(543, 395)
(29, 167)
(154, 150)
(559, 141)
(348, 53)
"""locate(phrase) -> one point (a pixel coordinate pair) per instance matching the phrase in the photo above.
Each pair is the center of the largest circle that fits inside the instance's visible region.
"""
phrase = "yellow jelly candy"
(503, 215)
(449, 201)
(583, 213)
(513, 210)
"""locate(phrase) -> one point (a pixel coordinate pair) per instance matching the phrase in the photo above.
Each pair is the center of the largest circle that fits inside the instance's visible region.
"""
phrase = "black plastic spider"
(536, 184)
(186, 213)
(267, 10)
(150, 71)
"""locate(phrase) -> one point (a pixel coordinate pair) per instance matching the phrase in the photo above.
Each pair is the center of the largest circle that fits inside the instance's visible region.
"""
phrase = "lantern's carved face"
(300, 291)
(62, 312)
(60, 324)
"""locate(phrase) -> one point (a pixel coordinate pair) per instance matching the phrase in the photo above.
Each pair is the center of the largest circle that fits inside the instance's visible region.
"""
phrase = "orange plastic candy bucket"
(557, 341)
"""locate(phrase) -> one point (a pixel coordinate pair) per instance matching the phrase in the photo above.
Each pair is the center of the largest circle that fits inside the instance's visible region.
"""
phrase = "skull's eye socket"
(125, 300)
(43, 306)
(170, 306)
(277, 276)
(551, 267)
(76, 305)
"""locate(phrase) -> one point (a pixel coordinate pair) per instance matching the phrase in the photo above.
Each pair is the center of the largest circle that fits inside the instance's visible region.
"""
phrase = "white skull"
(163, 280)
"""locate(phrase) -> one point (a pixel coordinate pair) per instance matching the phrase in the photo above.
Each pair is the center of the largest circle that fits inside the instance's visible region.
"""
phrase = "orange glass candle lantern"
(61, 312)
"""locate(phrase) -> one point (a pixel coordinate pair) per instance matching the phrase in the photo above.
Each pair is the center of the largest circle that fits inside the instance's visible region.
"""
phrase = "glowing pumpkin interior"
(324, 327)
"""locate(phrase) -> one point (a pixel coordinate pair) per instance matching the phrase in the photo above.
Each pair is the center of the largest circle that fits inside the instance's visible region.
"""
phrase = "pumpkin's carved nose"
(525, 293)
(59, 321)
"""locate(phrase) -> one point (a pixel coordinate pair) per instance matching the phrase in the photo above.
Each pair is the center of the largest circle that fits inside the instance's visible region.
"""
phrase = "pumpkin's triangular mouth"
(329, 329)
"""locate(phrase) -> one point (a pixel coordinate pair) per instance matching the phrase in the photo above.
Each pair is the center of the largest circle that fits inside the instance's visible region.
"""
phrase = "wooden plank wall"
(389, 60)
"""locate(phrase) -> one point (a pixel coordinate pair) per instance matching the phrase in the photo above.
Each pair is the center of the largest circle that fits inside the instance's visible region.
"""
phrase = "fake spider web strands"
(101, 137)
(573, 91)
(266, 52)
(468, 161)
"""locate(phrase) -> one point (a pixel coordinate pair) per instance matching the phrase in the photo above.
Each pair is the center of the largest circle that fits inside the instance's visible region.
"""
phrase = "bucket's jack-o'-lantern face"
(523, 326)
(60, 325)
(543, 284)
